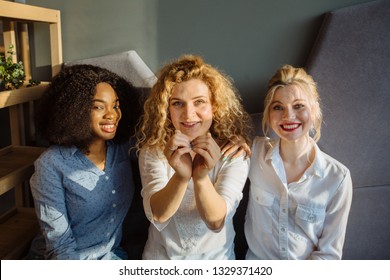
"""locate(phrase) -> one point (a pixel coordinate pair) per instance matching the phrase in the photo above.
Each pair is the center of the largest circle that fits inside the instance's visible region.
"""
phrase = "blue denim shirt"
(80, 207)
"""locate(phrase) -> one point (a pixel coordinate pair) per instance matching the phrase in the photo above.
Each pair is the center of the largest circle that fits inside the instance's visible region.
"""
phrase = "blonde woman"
(299, 197)
(190, 191)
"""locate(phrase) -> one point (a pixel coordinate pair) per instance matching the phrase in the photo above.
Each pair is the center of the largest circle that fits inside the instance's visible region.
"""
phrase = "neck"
(97, 148)
(97, 153)
(297, 157)
(296, 151)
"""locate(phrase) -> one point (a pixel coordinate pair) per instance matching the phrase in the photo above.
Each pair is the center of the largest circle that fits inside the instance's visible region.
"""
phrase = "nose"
(289, 114)
(111, 114)
(189, 111)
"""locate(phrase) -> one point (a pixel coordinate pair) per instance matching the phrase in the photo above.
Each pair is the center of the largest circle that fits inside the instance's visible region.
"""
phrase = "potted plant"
(11, 74)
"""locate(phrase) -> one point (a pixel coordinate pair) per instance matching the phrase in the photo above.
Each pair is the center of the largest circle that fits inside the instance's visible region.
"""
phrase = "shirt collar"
(68, 152)
(319, 163)
(318, 166)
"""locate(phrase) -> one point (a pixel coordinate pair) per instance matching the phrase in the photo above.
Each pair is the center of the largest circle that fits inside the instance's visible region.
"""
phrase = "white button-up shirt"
(185, 235)
(306, 219)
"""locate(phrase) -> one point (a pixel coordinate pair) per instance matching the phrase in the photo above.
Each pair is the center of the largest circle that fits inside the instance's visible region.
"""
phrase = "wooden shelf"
(16, 164)
(18, 11)
(21, 95)
(16, 232)
(19, 224)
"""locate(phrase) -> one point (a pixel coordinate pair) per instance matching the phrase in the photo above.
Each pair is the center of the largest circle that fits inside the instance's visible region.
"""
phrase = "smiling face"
(105, 114)
(190, 108)
(290, 113)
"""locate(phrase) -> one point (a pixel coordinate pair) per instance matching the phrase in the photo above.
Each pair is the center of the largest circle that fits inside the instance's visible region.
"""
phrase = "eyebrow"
(295, 100)
(103, 101)
(196, 97)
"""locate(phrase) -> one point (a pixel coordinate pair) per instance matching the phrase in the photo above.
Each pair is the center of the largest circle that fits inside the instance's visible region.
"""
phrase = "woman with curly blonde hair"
(190, 192)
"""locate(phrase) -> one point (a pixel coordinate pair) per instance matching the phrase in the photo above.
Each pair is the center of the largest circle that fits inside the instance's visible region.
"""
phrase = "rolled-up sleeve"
(230, 182)
(330, 244)
(155, 175)
(49, 199)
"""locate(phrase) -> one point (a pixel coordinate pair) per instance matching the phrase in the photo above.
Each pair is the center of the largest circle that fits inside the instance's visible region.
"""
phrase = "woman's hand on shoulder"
(235, 148)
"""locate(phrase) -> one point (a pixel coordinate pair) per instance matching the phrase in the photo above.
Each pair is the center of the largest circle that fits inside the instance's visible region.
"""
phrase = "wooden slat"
(24, 54)
(9, 37)
(16, 165)
(56, 47)
(17, 232)
(27, 12)
(21, 95)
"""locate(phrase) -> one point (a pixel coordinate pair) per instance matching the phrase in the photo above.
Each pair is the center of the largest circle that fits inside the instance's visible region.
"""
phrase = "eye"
(97, 107)
(116, 107)
(176, 103)
(299, 106)
(199, 101)
(277, 108)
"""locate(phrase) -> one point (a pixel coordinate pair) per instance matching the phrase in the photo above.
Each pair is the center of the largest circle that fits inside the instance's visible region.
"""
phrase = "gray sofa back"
(351, 64)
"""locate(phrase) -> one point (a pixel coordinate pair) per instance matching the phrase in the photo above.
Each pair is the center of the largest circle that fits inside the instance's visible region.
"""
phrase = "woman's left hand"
(207, 155)
(235, 148)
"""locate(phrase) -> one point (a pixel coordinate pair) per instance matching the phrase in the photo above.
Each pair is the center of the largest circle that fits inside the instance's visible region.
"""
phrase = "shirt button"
(107, 234)
(112, 220)
(114, 205)
(283, 229)
(284, 210)
(283, 249)
(107, 177)
(113, 191)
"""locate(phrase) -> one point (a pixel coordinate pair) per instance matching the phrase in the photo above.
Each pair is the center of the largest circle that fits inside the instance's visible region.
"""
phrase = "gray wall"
(247, 39)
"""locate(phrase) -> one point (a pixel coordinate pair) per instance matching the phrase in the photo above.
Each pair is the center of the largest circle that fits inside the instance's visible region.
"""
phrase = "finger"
(178, 140)
(247, 151)
(210, 145)
(206, 159)
(230, 151)
(226, 147)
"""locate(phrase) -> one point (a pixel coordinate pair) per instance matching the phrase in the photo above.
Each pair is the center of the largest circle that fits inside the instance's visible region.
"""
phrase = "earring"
(312, 131)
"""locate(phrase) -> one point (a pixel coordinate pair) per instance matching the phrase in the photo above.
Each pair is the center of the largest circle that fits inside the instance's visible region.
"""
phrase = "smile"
(290, 127)
(108, 127)
(189, 124)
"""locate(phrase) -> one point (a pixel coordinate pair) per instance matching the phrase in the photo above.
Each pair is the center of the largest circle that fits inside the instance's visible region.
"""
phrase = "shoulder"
(55, 155)
(52, 154)
(148, 157)
(261, 141)
(121, 150)
(331, 164)
(330, 169)
(261, 145)
(147, 152)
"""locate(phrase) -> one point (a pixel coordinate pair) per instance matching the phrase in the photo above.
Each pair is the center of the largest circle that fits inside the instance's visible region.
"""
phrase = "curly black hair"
(63, 112)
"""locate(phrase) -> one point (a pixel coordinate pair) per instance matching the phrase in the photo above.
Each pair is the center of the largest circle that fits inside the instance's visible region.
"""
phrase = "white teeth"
(290, 126)
(109, 126)
(189, 124)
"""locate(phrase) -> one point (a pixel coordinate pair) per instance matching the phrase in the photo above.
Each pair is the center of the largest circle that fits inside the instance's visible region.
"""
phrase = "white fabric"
(185, 235)
(301, 220)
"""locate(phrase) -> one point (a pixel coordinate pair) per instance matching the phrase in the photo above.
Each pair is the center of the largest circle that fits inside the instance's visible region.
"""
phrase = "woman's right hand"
(177, 151)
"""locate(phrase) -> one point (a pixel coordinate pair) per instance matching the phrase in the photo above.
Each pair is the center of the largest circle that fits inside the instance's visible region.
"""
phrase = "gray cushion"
(126, 64)
(351, 65)
(368, 226)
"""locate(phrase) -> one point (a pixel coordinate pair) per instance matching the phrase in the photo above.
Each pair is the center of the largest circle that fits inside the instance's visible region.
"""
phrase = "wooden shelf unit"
(19, 224)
